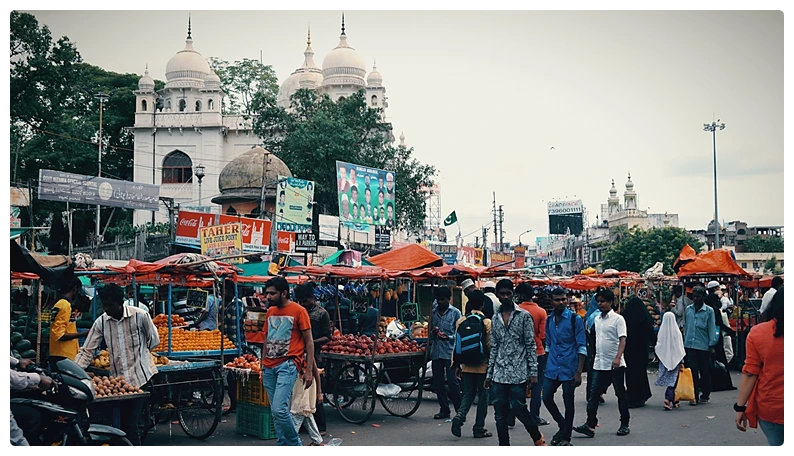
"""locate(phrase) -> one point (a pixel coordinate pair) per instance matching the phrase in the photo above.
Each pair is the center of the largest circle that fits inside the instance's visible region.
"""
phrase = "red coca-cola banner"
(286, 241)
(188, 225)
(256, 232)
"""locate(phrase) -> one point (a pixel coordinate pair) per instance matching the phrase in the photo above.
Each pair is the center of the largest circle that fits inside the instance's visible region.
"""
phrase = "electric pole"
(495, 221)
(501, 229)
(102, 97)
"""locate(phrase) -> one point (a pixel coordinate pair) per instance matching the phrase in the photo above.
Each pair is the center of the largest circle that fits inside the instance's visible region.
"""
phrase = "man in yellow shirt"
(63, 329)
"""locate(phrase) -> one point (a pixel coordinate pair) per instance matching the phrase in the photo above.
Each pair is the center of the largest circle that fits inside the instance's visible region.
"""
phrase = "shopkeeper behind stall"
(130, 335)
(63, 331)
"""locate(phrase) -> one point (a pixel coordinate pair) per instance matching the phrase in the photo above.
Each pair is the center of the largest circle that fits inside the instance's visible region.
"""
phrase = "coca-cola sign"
(286, 241)
(188, 225)
(256, 232)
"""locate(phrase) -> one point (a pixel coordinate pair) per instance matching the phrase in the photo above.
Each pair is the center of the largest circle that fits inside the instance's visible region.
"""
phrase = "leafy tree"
(637, 249)
(770, 266)
(316, 132)
(242, 81)
(763, 244)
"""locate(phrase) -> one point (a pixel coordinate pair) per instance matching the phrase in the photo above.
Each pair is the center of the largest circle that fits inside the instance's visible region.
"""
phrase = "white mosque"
(181, 136)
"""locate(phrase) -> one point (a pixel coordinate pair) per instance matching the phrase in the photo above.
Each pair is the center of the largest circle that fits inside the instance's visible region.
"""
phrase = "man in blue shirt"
(442, 343)
(566, 347)
(208, 319)
(700, 336)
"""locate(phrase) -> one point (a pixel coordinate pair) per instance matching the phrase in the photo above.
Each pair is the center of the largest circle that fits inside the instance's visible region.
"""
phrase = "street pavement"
(704, 425)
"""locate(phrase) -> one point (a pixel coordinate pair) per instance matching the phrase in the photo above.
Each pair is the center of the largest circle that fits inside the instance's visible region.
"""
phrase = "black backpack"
(470, 341)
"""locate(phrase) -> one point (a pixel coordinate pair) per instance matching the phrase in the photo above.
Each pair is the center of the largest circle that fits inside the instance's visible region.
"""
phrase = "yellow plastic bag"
(685, 387)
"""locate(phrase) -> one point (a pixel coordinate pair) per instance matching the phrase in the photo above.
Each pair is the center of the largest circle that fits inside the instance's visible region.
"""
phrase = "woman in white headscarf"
(670, 351)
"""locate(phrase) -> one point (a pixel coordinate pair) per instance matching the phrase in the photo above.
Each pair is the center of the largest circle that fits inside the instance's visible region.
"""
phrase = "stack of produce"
(102, 361)
(246, 362)
(657, 319)
(365, 345)
(254, 321)
(161, 321)
(383, 324)
(419, 330)
(182, 340)
(160, 360)
(113, 386)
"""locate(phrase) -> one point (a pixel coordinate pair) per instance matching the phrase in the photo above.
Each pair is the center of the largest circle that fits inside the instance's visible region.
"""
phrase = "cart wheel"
(354, 394)
(146, 422)
(407, 401)
(200, 409)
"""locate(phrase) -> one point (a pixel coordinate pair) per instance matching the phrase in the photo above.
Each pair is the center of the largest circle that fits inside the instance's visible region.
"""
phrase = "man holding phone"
(442, 344)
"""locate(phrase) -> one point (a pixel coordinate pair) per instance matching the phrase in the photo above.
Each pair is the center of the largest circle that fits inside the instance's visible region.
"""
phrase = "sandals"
(483, 435)
(667, 405)
(541, 441)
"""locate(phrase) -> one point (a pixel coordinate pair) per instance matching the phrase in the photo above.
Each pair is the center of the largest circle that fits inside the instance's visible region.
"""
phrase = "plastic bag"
(388, 390)
(685, 387)
(727, 345)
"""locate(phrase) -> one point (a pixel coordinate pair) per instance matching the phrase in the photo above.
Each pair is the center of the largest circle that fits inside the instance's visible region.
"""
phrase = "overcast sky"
(483, 96)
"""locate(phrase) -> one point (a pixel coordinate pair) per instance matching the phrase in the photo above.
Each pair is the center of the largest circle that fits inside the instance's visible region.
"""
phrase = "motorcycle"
(64, 409)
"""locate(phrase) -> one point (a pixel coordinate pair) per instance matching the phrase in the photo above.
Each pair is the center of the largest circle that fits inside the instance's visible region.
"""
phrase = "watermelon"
(45, 333)
(29, 354)
(15, 337)
(15, 354)
(23, 345)
(45, 324)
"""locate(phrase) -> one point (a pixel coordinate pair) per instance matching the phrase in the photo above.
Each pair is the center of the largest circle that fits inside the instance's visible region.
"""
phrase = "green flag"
(452, 218)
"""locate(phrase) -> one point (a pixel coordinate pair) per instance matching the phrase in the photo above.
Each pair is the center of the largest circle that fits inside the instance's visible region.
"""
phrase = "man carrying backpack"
(472, 344)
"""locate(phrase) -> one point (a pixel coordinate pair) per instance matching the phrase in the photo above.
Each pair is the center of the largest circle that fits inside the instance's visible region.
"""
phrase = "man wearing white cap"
(488, 309)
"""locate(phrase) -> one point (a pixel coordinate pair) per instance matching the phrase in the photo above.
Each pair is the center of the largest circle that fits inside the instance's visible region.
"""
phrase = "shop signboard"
(188, 226)
(78, 188)
(221, 241)
(255, 232)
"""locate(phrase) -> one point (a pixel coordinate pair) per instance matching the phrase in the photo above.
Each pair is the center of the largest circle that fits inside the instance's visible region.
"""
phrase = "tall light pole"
(102, 98)
(200, 175)
(713, 127)
(519, 237)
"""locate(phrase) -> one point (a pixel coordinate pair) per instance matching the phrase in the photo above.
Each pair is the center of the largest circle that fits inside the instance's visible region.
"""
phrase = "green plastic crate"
(254, 420)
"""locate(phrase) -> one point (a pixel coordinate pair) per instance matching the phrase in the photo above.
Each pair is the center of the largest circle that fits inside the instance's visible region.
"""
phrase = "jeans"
(700, 363)
(279, 382)
(601, 382)
(513, 398)
(535, 400)
(441, 368)
(549, 390)
(473, 386)
(772, 431)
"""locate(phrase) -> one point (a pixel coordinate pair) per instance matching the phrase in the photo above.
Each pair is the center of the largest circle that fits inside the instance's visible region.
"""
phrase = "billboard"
(366, 196)
(189, 224)
(222, 240)
(520, 255)
(294, 204)
(286, 241)
(255, 232)
(566, 217)
(329, 228)
(448, 252)
(20, 197)
(77, 188)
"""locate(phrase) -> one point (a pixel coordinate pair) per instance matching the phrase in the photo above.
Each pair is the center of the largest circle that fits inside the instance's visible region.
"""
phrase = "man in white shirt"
(777, 282)
(609, 367)
(725, 298)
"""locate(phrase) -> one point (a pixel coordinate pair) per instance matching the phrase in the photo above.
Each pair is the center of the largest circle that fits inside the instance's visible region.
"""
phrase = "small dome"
(146, 83)
(613, 191)
(187, 68)
(375, 79)
(307, 76)
(343, 65)
(310, 79)
(212, 81)
(241, 178)
(629, 184)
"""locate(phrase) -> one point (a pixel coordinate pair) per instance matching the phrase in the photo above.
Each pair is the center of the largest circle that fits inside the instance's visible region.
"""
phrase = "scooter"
(64, 409)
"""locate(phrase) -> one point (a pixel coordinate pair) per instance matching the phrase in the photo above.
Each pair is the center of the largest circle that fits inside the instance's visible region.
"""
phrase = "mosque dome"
(343, 65)
(242, 177)
(146, 83)
(613, 191)
(308, 76)
(375, 79)
(629, 184)
(212, 81)
(187, 68)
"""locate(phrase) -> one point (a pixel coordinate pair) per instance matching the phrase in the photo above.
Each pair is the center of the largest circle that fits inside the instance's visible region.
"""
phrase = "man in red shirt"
(288, 350)
(524, 292)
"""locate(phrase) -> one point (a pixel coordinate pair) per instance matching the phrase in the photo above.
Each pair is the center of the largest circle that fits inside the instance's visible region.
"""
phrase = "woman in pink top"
(760, 399)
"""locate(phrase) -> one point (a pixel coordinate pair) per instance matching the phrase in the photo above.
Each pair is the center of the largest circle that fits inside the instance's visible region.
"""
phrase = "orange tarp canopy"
(713, 262)
(412, 256)
(686, 255)
(294, 280)
(363, 272)
(441, 271)
(763, 282)
(586, 283)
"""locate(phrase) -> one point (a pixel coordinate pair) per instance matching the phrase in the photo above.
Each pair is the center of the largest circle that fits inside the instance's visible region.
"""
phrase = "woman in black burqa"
(720, 377)
(640, 334)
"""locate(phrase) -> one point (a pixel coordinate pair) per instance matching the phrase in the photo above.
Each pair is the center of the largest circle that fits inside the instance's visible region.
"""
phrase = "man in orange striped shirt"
(524, 292)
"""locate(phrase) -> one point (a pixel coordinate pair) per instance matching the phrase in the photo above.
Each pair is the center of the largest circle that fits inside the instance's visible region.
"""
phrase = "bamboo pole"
(38, 335)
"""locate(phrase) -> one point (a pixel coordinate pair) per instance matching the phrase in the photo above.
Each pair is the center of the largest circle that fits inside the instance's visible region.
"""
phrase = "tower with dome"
(629, 215)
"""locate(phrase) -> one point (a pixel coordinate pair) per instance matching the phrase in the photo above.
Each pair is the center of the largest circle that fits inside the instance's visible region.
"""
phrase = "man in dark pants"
(524, 293)
(609, 367)
(700, 336)
(321, 334)
(442, 344)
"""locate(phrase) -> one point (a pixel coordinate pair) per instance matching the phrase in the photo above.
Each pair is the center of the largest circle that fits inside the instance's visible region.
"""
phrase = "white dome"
(629, 184)
(613, 191)
(374, 79)
(212, 81)
(187, 68)
(146, 83)
(343, 65)
(288, 87)
(308, 76)
(310, 79)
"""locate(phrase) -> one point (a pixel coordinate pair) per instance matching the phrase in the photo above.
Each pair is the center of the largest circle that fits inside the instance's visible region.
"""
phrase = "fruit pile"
(182, 340)
(102, 361)
(161, 321)
(419, 331)
(160, 360)
(23, 336)
(383, 324)
(246, 362)
(365, 345)
(113, 386)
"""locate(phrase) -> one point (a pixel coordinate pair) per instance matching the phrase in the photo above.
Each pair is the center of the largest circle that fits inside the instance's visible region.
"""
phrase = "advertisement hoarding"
(566, 217)
(329, 228)
(366, 196)
(78, 188)
(520, 255)
(255, 232)
(382, 238)
(448, 252)
(305, 243)
(294, 204)
(286, 241)
(222, 240)
(565, 207)
(189, 224)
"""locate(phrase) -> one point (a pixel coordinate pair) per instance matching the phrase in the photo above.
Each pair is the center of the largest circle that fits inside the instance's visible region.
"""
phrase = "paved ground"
(710, 424)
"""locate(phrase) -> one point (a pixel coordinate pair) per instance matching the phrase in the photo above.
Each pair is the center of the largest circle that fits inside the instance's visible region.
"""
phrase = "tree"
(761, 244)
(637, 249)
(316, 132)
(770, 266)
(242, 81)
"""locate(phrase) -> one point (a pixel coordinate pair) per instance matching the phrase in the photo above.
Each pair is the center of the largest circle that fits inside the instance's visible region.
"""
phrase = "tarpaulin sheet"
(711, 263)
(412, 256)
(763, 282)
(686, 255)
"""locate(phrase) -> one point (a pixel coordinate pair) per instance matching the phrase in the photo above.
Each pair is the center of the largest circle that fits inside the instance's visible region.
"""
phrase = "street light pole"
(200, 175)
(713, 127)
(102, 97)
(519, 237)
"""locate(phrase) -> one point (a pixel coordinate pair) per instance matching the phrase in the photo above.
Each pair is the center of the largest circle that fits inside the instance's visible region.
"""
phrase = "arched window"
(182, 105)
(374, 100)
(341, 99)
(741, 232)
(198, 105)
(168, 106)
(177, 168)
(210, 104)
(231, 211)
(143, 105)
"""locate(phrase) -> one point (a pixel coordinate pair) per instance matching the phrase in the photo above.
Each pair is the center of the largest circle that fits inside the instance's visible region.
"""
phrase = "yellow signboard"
(222, 240)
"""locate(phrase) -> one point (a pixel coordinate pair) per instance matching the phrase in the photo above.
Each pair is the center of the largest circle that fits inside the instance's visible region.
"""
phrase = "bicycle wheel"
(200, 407)
(332, 371)
(354, 393)
(406, 402)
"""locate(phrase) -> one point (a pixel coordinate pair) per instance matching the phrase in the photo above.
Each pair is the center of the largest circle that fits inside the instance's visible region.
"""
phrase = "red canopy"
(412, 256)
(363, 272)
(686, 255)
(715, 262)
(763, 282)
(441, 271)
(584, 283)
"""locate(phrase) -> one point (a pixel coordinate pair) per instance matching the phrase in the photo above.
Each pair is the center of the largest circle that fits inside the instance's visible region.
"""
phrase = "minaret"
(402, 139)
(613, 202)
(307, 81)
(630, 196)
